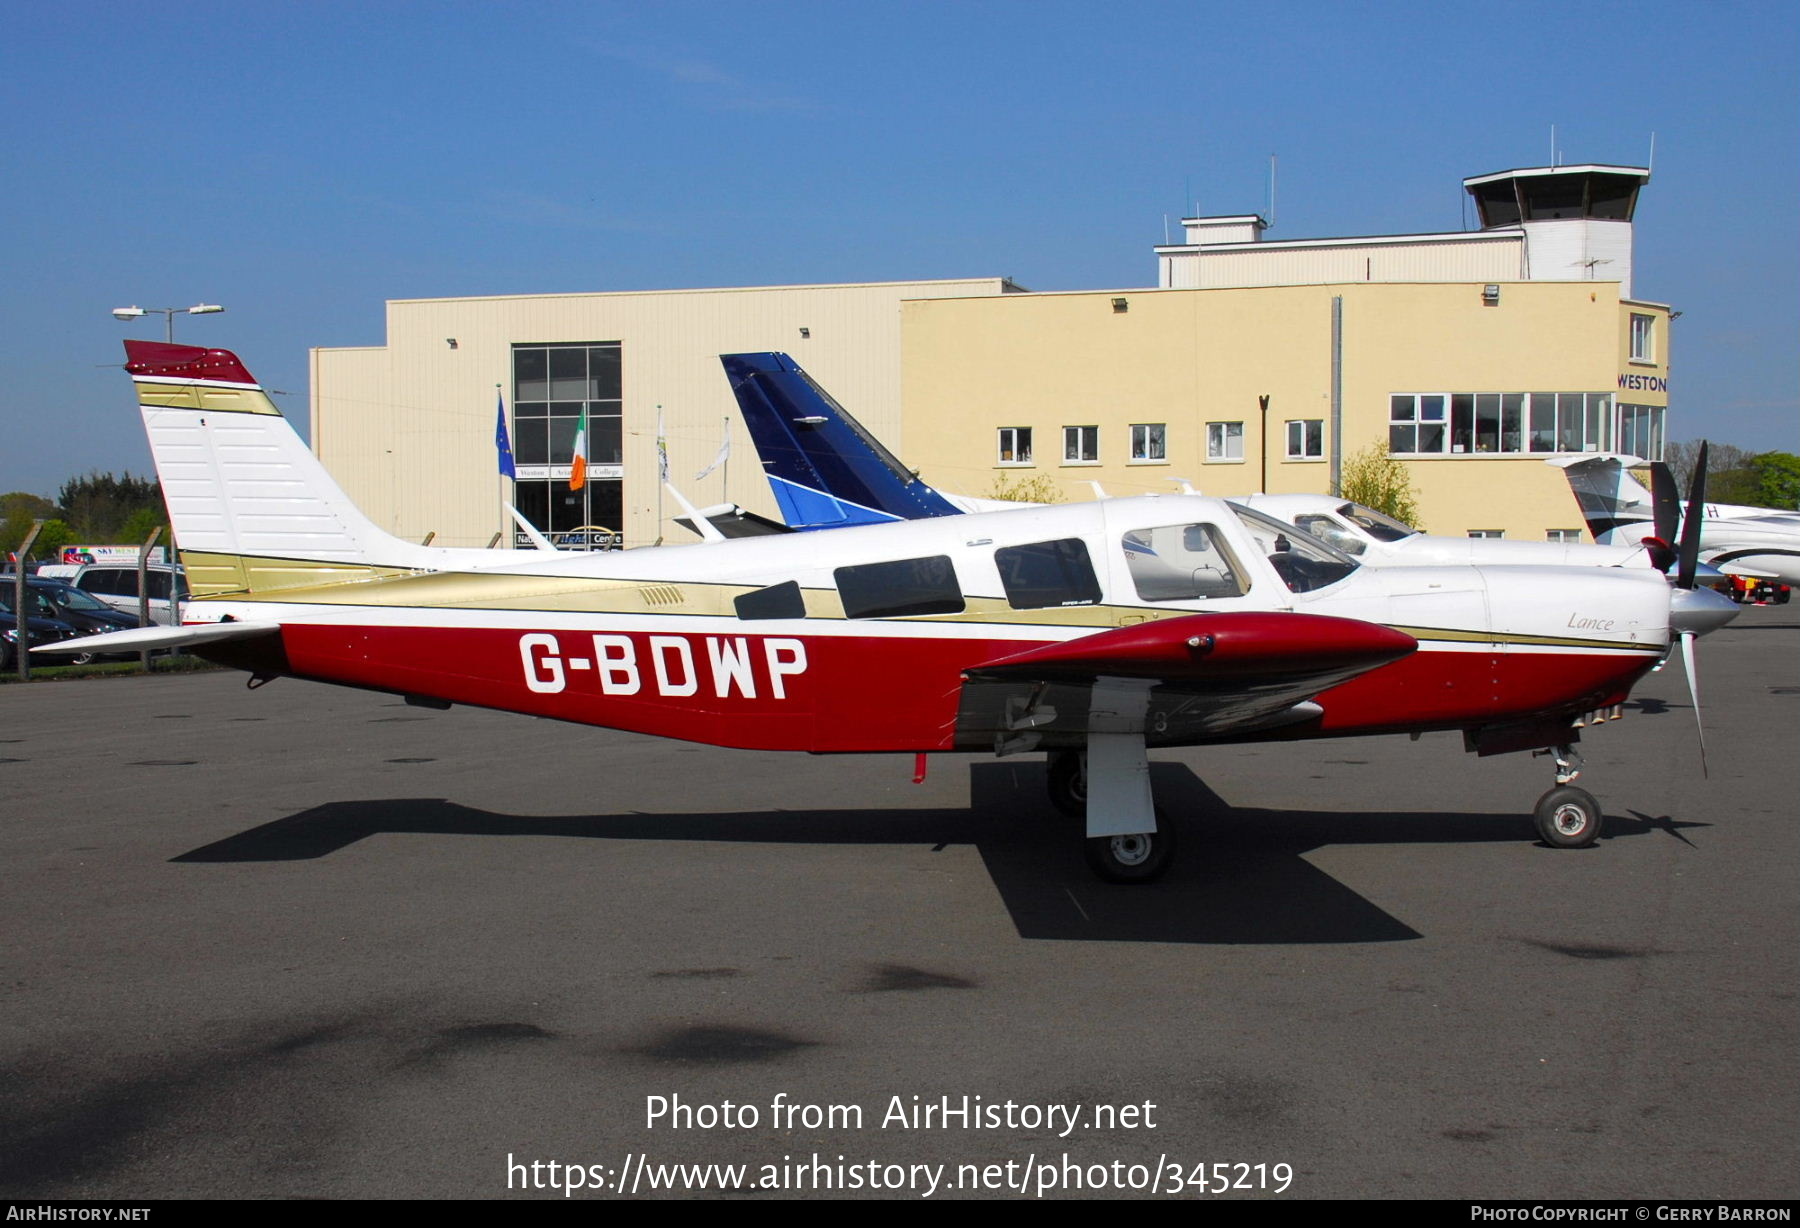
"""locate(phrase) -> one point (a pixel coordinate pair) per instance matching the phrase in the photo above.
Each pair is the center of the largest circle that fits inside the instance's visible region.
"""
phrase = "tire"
(1066, 778)
(1568, 818)
(1133, 859)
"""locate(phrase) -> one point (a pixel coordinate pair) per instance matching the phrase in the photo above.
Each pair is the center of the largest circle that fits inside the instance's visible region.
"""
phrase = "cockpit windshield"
(1379, 525)
(1303, 562)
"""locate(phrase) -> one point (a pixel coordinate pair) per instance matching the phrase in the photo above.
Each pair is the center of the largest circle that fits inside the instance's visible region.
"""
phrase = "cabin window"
(1303, 562)
(1182, 562)
(1047, 574)
(1326, 529)
(776, 601)
(901, 589)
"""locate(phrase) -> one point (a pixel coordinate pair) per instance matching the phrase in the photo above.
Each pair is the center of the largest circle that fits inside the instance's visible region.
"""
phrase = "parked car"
(118, 587)
(87, 614)
(38, 631)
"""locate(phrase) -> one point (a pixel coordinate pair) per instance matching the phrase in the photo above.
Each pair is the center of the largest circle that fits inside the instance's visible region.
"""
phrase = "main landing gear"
(1567, 817)
(1118, 856)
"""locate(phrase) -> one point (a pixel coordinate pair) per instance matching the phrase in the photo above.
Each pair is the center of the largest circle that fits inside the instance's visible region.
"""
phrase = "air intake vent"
(662, 594)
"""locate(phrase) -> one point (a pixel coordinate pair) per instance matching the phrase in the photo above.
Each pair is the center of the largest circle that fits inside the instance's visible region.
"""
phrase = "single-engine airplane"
(1090, 631)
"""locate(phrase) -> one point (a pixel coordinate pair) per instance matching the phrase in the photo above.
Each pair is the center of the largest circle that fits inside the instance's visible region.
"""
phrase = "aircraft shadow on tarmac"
(1242, 878)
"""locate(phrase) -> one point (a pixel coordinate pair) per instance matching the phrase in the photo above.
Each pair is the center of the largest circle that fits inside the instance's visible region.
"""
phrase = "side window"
(900, 589)
(1047, 574)
(156, 583)
(776, 601)
(1184, 562)
(106, 580)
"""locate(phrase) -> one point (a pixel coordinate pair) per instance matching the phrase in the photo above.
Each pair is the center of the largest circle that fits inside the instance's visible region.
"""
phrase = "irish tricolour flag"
(578, 472)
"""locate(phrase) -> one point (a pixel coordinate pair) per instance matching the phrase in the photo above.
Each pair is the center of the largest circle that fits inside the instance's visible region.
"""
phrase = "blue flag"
(501, 442)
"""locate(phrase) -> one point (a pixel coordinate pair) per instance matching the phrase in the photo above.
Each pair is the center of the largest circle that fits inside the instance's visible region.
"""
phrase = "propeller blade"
(1665, 498)
(1692, 521)
(1687, 663)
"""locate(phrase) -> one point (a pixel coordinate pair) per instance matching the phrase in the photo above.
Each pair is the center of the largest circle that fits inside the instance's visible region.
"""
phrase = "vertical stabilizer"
(251, 506)
(1617, 508)
(826, 470)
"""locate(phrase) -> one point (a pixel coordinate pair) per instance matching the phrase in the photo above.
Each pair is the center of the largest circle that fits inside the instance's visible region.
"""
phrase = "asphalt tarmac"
(310, 942)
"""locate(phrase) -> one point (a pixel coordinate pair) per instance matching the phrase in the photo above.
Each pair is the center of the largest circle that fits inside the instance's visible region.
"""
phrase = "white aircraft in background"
(1090, 631)
(1757, 542)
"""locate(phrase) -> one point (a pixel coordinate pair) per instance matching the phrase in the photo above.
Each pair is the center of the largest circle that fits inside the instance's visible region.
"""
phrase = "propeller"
(1666, 502)
(1692, 522)
(1689, 559)
(1687, 665)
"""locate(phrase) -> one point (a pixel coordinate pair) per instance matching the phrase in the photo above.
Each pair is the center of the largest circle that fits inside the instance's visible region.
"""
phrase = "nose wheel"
(1567, 817)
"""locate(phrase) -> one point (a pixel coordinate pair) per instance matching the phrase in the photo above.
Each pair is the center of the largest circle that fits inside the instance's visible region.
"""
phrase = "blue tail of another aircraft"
(826, 470)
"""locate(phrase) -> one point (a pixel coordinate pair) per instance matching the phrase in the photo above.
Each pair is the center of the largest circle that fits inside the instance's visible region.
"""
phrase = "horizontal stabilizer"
(144, 639)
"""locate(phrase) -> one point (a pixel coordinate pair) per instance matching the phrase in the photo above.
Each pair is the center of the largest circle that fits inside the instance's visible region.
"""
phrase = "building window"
(1306, 438)
(1643, 338)
(553, 385)
(1641, 430)
(1149, 442)
(1569, 536)
(1492, 534)
(1015, 445)
(1081, 444)
(1503, 423)
(1224, 441)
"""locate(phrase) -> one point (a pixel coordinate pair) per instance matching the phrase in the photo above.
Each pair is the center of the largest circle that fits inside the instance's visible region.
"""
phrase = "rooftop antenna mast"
(1271, 191)
(1553, 146)
(1652, 165)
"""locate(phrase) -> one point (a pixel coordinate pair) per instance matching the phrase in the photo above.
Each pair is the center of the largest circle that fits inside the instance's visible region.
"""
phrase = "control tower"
(1576, 219)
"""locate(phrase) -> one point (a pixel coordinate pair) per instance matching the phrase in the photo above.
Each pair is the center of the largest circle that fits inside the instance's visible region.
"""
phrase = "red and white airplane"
(1094, 631)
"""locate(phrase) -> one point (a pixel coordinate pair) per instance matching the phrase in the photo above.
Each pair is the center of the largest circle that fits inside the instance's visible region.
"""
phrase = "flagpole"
(662, 472)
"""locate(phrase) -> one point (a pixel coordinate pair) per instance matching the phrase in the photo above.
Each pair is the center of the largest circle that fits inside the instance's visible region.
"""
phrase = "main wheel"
(1066, 776)
(1138, 858)
(1568, 818)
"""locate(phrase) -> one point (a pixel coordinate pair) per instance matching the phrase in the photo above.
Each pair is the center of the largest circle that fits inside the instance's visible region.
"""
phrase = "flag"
(578, 472)
(723, 456)
(662, 447)
(501, 443)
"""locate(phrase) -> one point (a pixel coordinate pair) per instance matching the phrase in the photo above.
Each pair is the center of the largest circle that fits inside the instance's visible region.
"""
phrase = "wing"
(1201, 676)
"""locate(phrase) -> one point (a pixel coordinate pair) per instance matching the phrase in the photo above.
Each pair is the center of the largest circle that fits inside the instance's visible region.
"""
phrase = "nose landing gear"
(1567, 817)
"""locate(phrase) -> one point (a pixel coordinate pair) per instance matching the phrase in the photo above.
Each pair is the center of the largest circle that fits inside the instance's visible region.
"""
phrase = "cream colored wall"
(407, 428)
(1188, 357)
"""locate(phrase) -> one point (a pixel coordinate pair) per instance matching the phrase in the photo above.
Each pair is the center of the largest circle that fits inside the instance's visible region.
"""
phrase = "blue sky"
(302, 163)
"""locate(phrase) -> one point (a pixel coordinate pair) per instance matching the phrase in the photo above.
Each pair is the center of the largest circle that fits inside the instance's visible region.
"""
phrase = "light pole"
(167, 313)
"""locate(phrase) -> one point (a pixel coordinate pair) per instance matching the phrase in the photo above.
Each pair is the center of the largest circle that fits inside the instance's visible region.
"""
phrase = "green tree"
(98, 505)
(1373, 478)
(1777, 480)
(138, 525)
(50, 540)
(1038, 488)
(17, 511)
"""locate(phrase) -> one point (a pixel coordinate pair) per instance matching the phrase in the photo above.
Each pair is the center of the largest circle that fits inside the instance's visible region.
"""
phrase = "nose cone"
(1697, 611)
